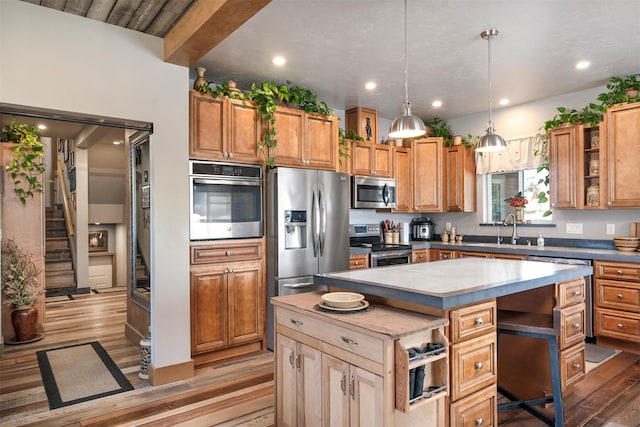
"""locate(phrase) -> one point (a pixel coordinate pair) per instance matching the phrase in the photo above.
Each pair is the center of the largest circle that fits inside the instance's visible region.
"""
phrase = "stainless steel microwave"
(226, 200)
(369, 192)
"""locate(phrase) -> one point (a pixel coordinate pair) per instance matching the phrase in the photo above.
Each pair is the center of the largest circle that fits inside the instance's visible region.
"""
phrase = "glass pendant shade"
(407, 125)
(491, 142)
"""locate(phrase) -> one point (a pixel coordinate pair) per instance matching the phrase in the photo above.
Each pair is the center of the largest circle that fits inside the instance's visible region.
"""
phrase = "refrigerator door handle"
(314, 224)
(323, 220)
(385, 194)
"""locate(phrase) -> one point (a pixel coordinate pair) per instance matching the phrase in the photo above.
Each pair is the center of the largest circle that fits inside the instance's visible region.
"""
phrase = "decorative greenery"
(19, 276)
(470, 140)
(266, 95)
(618, 87)
(438, 128)
(592, 114)
(28, 163)
(343, 145)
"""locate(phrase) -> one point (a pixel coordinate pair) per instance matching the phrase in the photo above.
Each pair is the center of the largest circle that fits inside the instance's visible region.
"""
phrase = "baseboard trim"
(171, 373)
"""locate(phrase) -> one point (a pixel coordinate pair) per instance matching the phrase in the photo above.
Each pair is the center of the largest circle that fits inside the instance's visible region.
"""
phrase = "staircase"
(142, 276)
(59, 273)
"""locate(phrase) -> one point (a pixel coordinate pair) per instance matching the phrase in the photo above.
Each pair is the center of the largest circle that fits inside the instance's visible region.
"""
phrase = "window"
(500, 186)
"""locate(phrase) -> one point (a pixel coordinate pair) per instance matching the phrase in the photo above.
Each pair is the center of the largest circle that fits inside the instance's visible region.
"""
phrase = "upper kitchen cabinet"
(306, 140)
(223, 129)
(364, 121)
(428, 174)
(403, 173)
(371, 159)
(459, 179)
(622, 124)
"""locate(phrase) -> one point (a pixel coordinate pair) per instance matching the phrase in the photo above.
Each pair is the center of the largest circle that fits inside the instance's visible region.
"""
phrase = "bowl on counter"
(342, 299)
(626, 244)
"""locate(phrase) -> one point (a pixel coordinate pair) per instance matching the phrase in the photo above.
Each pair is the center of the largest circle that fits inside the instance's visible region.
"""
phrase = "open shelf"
(435, 363)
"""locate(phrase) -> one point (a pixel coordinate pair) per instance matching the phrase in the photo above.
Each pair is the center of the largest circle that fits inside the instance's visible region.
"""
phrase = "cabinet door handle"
(297, 322)
(298, 360)
(478, 321)
(230, 270)
(619, 272)
(619, 325)
(479, 421)
(343, 383)
(352, 387)
(576, 326)
(349, 341)
(576, 293)
(291, 358)
(576, 366)
(228, 253)
(230, 155)
(620, 296)
(479, 365)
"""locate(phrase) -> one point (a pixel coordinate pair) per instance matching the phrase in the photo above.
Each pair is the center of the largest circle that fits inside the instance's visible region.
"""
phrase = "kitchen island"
(468, 293)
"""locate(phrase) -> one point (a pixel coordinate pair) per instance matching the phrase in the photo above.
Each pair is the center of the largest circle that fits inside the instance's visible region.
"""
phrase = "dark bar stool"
(544, 327)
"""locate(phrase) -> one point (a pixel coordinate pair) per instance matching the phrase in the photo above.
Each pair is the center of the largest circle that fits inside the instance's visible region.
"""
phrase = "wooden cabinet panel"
(572, 326)
(290, 137)
(480, 409)
(246, 303)
(447, 254)
(622, 123)
(206, 123)
(420, 255)
(617, 271)
(364, 121)
(361, 159)
(358, 261)
(321, 142)
(564, 160)
(208, 310)
(616, 324)
(336, 389)
(367, 400)
(403, 173)
(244, 131)
(570, 293)
(427, 175)
(206, 253)
(382, 160)
(473, 365)
(618, 295)
(286, 381)
(459, 179)
(472, 321)
(371, 160)
(572, 366)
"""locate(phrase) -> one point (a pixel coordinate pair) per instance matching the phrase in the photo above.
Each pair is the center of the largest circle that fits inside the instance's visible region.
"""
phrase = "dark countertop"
(587, 253)
(455, 282)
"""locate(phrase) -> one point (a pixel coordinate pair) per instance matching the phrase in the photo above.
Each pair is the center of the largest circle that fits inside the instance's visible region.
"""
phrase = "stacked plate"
(343, 301)
(626, 244)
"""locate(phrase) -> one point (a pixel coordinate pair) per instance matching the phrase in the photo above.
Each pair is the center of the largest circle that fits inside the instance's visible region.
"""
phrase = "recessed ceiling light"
(42, 127)
(370, 85)
(437, 103)
(279, 60)
(117, 142)
(582, 65)
(504, 101)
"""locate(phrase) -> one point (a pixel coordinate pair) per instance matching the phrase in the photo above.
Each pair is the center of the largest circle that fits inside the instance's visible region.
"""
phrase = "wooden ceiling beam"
(204, 26)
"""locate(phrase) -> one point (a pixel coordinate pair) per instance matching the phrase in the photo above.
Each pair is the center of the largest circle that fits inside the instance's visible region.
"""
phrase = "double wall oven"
(370, 236)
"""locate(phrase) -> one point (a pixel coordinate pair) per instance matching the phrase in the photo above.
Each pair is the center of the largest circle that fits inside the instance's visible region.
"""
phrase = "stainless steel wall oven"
(227, 200)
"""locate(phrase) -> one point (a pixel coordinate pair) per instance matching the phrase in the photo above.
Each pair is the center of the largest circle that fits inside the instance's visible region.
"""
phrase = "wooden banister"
(65, 200)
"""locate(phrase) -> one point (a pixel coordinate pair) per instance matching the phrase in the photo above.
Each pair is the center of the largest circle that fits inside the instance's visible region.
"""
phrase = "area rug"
(596, 354)
(79, 373)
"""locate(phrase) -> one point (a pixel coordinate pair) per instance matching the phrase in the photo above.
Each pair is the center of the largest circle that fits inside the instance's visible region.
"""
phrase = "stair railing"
(65, 201)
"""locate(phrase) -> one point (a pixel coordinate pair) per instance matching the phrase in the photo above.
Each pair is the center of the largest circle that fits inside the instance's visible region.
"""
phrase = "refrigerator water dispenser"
(295, 229)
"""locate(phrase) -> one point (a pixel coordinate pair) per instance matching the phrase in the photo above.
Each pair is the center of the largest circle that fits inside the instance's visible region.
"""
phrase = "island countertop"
(453, 283)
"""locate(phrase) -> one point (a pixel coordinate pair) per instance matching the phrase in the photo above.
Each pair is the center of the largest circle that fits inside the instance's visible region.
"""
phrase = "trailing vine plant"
(267, 95)
(541, 148)
(27, 165)
(343, 145)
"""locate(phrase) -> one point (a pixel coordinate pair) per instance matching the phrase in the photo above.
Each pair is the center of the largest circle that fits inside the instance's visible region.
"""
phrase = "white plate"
(363, 305)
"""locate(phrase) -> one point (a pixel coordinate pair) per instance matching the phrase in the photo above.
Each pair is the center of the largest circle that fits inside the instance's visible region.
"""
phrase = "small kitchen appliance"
(373, 193)
(422, 228)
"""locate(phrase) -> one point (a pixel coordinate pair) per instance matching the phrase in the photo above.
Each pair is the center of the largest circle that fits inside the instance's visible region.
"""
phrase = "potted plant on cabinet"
(21, 288)
(27, 166)
(343, 145)
(439, 128)
(621, 89)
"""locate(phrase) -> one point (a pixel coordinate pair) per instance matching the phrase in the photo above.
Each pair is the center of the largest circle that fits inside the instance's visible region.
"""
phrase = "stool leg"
(555, 382)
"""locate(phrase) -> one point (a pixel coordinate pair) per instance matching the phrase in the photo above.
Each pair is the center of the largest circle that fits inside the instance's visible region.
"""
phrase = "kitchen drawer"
(473, 365)
(479, 409)
(358, 261)
(617, 270)
(572, 365)
(472, 321)
(420, 255)
(447, 254)
(570, 292)
(572, 325)
(338, 336)
(618, 295)
(213, 253)
(469, 254)
(617, 324)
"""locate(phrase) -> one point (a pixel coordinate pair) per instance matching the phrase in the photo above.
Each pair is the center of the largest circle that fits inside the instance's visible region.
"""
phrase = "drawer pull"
(349, 341)
(478, 321)
(298, 360)
(619, 325)
(576, 366)
(228, 253)
(576, 326)
(297, 322)
(356, 263)
(352, 388)
(479, 421)
(343, 383)
(620, 296)
(576, 293)
(291, 358)
(479, 365)
(619, 272)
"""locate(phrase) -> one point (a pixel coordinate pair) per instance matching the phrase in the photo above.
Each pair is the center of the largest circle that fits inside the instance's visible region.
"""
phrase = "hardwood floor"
(234, 394)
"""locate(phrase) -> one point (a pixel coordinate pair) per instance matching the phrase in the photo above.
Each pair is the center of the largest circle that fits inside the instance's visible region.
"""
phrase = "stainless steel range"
(370, 236)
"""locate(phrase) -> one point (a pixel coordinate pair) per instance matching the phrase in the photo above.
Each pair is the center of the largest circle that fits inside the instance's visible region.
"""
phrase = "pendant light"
(406, 125)
(490, 141)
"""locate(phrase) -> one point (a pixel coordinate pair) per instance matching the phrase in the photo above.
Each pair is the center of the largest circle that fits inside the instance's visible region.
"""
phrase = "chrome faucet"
(499, 239)
(514, 235)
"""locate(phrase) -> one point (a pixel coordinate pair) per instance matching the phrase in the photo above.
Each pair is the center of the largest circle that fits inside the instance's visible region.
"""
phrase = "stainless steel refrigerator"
(307, 230)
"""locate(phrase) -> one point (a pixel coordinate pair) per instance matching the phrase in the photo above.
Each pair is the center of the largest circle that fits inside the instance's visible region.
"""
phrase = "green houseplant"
(27, 165)
(439, 128)
(621, 89)
(343, 145)
(591, 115)
(21, 288)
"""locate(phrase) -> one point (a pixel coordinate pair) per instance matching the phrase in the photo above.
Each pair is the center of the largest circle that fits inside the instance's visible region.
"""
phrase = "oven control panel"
(363, 230)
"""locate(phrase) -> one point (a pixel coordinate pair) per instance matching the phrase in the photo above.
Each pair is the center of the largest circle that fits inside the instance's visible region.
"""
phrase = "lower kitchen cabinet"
(358, 261)
(420, 255)
(227, 300)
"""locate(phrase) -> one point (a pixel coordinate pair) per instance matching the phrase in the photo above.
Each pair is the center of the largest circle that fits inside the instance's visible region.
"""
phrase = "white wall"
(104, 70)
